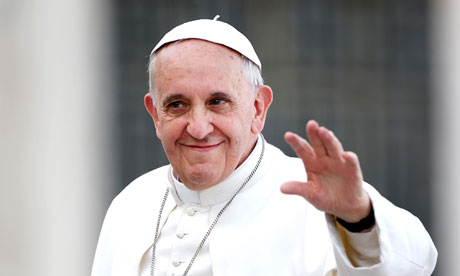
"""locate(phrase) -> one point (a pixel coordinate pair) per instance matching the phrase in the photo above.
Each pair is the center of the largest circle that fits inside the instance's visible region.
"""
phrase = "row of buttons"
(188, 224)
(180, 235)
(190, 211)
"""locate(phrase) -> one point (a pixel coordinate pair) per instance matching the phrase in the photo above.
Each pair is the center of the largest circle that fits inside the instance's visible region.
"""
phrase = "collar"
(221, 192)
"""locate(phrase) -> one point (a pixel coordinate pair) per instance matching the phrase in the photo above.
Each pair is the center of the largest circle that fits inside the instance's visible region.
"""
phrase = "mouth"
(202, 148)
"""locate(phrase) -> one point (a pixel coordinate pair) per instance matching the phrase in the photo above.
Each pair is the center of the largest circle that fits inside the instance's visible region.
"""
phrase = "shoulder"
(137, 200)
(143, 189)
(127, 229)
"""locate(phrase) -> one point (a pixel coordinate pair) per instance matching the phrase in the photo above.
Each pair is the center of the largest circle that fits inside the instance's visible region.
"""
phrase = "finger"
(301, 147)
(292, 188)
(313, 136)
(351, 160)
(333, 146)
(305, 190)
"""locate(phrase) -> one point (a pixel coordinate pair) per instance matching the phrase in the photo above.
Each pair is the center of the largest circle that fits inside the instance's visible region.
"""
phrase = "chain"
(152, 265)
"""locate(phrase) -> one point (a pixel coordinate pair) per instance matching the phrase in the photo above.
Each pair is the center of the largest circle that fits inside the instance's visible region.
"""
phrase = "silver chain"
(152, 264)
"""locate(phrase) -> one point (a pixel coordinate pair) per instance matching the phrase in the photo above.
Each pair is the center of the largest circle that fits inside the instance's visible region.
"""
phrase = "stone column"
(55, 127)
(445, 99)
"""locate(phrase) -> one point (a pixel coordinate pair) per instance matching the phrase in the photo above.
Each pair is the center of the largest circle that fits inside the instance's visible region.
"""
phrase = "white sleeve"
(363, 249)
(103, 259)
(403, 245)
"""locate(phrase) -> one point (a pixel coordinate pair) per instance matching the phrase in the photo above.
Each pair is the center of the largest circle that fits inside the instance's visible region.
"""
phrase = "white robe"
(262, 232)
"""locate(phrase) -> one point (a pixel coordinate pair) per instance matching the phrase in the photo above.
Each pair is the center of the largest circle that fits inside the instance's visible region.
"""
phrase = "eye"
(176, 104)
(176, 108)
(217, 101)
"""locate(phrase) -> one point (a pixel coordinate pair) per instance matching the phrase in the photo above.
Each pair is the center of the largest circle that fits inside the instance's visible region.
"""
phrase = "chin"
(199, 186)
(202, 180)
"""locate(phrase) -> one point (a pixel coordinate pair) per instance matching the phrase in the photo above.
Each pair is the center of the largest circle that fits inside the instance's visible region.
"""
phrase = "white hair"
(250, 70)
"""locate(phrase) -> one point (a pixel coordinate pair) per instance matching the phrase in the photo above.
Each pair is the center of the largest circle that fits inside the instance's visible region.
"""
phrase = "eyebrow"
(221, 94)
(173, 97)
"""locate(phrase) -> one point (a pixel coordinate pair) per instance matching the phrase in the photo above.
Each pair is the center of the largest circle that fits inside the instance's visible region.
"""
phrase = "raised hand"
(334, 177)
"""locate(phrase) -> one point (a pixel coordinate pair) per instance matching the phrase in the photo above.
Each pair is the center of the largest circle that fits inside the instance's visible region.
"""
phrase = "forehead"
(196, 62)
(194, 55)
(182, 49)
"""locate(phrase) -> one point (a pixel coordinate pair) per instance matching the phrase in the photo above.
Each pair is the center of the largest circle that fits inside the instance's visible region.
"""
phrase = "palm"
(334, 183)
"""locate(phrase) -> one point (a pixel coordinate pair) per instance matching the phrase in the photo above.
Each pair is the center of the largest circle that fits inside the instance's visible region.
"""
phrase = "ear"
(264, 98)
(152, 110)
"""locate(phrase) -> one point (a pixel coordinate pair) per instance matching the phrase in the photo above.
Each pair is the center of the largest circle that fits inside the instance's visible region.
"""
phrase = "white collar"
(221, 192)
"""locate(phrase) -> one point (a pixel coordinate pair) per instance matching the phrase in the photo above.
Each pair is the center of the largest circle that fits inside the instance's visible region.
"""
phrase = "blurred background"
(384, 75)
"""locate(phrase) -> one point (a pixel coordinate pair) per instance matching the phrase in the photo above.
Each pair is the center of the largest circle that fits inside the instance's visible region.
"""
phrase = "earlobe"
(152, 110)
(262, 102)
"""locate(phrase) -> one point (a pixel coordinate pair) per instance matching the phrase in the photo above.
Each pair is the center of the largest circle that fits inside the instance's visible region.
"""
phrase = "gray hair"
(250, 70)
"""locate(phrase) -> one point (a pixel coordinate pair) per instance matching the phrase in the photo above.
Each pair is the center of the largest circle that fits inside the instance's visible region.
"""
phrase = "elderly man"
(224, 206)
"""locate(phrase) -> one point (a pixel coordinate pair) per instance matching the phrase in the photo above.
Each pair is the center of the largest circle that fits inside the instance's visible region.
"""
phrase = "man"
(222, 207)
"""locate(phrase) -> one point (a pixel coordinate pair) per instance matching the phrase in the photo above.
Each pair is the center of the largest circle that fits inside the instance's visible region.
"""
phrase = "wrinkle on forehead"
(180, 58)
(174, 52)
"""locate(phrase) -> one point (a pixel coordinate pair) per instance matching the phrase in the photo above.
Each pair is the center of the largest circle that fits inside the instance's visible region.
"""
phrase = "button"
(176, 262)
(190, 211)
(180, 235)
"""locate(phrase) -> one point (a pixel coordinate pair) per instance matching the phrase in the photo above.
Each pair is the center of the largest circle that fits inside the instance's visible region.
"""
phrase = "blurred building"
(383, 75)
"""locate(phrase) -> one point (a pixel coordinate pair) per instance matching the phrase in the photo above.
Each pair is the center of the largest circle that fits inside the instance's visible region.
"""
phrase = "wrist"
(360, 226)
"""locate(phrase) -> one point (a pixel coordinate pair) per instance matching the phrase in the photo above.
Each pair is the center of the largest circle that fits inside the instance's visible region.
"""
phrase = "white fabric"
(364, 247)
(263, 232)
(179, 239)
(214, 31)
(187, 223)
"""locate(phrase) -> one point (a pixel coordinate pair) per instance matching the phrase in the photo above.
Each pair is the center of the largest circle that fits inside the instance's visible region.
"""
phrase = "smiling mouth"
(202, 148)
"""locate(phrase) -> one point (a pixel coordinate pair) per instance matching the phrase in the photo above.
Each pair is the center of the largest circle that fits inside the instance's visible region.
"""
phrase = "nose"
(199, 125)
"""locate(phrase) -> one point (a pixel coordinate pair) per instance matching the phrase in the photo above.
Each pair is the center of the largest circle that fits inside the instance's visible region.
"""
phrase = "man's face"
(206, 111)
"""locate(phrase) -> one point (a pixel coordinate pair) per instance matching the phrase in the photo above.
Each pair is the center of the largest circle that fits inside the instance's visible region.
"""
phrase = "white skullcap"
(214, 31)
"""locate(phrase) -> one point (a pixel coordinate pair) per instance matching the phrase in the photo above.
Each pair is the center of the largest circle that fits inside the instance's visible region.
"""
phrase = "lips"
(202, 147)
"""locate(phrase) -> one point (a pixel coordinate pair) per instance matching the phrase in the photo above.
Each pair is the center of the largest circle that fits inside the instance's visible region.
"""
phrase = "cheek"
(169, 130)
(237, 128)
(233, 125)
(247, 118)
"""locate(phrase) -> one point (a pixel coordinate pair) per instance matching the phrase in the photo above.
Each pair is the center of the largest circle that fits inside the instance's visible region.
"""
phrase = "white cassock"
(262, 232)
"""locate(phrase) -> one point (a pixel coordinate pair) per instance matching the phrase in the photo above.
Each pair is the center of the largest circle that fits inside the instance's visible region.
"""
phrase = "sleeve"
(362, 249)
(404, 244)
(103, 258)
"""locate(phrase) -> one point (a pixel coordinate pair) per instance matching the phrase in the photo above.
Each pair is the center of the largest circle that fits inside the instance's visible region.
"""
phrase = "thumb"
(293, 188)
(308, 190)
